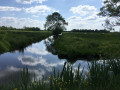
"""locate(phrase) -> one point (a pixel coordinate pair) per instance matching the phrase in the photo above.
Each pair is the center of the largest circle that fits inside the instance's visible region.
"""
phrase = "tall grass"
(88, 46)
(99, 76)
(12, 40)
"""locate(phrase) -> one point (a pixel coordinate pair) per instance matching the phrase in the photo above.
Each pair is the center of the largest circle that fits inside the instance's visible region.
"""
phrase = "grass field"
(17, 40)
(73, 46)
(88, 46)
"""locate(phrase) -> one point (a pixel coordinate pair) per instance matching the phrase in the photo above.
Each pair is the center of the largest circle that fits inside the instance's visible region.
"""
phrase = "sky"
(80, 14)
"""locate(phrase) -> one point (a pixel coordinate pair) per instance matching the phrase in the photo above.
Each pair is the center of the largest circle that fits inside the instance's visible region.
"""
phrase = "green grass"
(18, 40)
(104, 76)
(88, 46)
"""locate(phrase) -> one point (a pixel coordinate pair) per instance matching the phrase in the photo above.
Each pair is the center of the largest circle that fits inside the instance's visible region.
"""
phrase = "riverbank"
(88, 46)
(18, 40)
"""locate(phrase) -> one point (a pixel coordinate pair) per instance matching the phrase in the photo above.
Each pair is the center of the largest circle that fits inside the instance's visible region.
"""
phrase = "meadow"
(72, 46)
(88, 46)
(18, 40)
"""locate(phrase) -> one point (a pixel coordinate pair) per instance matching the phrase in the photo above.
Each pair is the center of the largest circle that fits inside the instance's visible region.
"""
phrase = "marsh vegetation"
(18, 40)
(87, 46)
(100, 47)
(100, 76)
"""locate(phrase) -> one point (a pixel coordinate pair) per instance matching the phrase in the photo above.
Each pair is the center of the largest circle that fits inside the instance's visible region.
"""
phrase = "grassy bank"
(104, 76)
(17, 40)
(88, 45)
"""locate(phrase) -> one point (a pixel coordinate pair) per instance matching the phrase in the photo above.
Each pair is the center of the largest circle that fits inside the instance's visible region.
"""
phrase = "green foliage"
(25, 79)
(88, 46)
(7, 28)
(110, 9)
(100, 76)
(56, 23)
(12, 40)
(89, 30)
(31, 29)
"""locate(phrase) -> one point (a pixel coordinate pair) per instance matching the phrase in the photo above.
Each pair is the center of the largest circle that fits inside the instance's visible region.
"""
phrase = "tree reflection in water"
(49, 42)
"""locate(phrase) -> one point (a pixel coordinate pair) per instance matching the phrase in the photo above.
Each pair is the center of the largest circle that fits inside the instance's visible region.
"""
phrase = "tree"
(111, 10)
(56, 23)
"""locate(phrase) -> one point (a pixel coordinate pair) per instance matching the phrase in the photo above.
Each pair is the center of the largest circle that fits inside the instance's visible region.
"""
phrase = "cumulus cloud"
(87, 18)
(7, 8)
(92, 17)
(12, 71)
(32, 61)
(20, 22)
(39, 73)
(30, 1)
(36, 49)
(39, 10)
(9, 71)
(42, 9)
(83, 10)
(90, 22)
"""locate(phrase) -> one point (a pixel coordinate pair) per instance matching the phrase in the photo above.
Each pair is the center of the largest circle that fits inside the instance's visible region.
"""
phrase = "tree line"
(56, 23)
(24, 28)
(89, 30)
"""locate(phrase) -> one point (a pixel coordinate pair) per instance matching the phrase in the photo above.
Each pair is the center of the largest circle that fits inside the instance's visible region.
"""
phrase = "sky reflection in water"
(38, 60)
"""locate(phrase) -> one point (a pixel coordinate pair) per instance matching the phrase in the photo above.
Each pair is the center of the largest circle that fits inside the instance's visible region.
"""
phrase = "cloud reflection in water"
(11, 71)
(32, 61)
(8, 71)
(38, 48)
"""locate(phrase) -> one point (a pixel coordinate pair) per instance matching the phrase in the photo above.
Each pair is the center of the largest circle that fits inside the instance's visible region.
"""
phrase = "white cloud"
(92, 17)
(36, 16)
(8, 71)
(12, 71)
(38, 49)
(83, 10)
(42, 9)
(90, 22)
(6, 8)
(32, 61)
(30, 1)
(75, 18)
(36, 10)
(20, 22)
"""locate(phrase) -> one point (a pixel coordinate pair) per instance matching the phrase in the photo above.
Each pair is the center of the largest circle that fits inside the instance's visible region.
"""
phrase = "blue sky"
(80, 14)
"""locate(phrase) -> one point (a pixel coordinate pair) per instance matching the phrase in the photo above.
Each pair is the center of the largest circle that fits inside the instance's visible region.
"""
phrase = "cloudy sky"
(80, 14)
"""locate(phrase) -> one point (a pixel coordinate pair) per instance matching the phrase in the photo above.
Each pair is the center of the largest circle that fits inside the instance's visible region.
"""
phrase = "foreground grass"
(12, 40)
(88, 45)
(105, 76)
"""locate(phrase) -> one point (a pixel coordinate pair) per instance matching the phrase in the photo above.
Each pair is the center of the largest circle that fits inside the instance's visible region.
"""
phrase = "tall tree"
(56, 23)
(111, 10)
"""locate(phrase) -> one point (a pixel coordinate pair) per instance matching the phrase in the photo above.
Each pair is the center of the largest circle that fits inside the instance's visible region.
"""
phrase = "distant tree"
(31, 28)
(56, 23)
(111, 10)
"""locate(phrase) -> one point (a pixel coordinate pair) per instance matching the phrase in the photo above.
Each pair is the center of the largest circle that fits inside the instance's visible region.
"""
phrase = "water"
(38, 59)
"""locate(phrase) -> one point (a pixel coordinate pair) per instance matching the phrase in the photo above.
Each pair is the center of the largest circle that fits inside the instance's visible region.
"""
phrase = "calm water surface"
(37, 58)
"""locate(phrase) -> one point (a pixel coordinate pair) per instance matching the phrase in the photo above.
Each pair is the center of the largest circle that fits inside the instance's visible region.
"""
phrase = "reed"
(100, 76)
